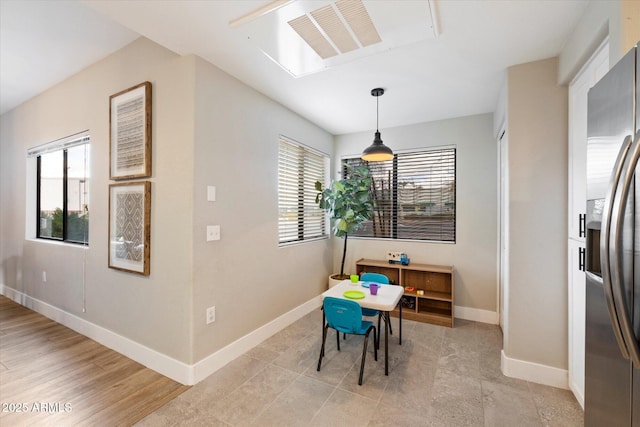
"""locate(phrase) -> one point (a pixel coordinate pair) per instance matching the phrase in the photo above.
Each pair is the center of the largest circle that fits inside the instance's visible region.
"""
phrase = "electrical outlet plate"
(211, 314)
(213, 232)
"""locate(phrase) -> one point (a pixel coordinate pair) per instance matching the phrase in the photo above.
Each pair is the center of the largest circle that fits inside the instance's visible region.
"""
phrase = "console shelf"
(435, 305)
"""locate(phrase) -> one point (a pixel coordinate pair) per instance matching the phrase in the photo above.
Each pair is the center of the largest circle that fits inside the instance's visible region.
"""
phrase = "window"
(299, 217)
(414, 196)
(63, 189)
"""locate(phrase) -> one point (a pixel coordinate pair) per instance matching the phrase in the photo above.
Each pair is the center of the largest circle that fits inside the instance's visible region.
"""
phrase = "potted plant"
(349, 204)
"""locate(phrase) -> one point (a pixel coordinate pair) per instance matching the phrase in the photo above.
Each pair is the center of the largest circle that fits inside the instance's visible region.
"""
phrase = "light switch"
(213, 233)
(211, 193)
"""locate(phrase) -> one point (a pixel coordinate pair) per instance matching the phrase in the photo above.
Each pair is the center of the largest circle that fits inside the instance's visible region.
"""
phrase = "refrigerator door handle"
(622, 308)
(605, 250)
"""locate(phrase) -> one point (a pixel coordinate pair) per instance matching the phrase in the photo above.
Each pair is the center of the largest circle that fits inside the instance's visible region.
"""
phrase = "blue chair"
(370, 312)
(346, 316)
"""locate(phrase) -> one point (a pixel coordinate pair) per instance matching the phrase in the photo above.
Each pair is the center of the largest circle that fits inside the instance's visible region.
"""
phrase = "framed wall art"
(130, 133)
(129, 226)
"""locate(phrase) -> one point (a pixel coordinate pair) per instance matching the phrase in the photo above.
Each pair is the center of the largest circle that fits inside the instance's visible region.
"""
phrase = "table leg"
(400, 321)
(386, 343)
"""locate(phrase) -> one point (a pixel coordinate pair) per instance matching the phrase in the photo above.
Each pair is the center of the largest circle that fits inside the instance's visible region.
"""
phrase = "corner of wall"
(500, 113)
(534, 372)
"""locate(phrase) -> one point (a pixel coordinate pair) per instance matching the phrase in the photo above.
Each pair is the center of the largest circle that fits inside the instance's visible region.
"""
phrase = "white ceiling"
(456, 74)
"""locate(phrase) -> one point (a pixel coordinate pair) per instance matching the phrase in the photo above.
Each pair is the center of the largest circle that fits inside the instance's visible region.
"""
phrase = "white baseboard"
(217, 360)
(578, 393)
(192, 374)
(146, 356)
(165, 365)
(534, 372)
(476, 315)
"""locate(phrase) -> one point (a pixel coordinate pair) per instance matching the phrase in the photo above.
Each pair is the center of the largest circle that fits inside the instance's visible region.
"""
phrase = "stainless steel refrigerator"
(612, 349)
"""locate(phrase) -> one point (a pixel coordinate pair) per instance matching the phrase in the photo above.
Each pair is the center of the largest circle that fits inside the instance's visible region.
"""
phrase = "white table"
(386, 301)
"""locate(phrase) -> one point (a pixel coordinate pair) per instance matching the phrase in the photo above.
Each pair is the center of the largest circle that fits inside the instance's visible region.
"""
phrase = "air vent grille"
(308, 36)
(328, 19)
(312, 35)
(359, 20)
(331, 29)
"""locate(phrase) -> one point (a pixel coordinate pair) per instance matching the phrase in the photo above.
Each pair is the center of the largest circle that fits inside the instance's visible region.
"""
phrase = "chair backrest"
(375, 278)
(343, 315)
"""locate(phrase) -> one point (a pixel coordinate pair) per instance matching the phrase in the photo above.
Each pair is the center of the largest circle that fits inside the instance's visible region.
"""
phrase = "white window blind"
(414, 196)
(59, 144)
(299, 217)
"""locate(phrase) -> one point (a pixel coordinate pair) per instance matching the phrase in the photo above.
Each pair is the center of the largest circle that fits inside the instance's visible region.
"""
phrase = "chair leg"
(375, 349)
(324, 337)
(338, 339)
(364, 355)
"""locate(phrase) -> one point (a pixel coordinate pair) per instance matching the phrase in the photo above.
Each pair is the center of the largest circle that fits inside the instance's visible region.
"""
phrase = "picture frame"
(130, 133)
(130, 226)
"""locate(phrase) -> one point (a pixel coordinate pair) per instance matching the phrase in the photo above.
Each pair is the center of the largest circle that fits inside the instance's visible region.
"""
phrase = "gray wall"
(474, 255)
(208, 129)
(246, 275)
(537, 135)
(152, 310)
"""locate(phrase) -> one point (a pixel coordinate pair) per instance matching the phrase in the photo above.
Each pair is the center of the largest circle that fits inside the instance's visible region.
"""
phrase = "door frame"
(503, 232)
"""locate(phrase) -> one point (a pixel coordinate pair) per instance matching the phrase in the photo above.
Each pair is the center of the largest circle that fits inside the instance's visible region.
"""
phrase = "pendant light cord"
(377, 112)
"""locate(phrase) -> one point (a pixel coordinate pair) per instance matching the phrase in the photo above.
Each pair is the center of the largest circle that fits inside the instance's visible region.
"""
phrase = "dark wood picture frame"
(130, 133)
(130, 226)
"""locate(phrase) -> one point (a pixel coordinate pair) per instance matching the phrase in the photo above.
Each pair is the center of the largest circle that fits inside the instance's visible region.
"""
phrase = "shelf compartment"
(428, 280)
(392, 273)
(434, 306)
(440, 296)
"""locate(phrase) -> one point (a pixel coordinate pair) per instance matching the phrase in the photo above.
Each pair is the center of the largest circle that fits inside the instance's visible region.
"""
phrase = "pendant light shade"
(377, 152)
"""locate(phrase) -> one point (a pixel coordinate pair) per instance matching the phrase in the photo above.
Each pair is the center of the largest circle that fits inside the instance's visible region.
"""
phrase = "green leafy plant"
(348, 202)
(77, 225)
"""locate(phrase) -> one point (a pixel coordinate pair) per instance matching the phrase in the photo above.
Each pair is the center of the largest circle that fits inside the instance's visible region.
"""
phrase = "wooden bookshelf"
(435, 305)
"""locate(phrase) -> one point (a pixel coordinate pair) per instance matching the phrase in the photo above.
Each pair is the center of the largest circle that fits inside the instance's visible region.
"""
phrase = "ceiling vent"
(307, 36)
(332, 29)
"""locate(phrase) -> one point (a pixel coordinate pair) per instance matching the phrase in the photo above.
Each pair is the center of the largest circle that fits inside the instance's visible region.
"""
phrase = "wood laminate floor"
(51, 375)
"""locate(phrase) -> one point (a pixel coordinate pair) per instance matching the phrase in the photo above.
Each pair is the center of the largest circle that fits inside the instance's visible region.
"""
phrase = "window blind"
(299, 217)
(414, 196)
(59, 144)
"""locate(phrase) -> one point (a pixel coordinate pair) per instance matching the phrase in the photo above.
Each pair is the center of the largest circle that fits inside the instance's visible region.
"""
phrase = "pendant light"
(377, 152)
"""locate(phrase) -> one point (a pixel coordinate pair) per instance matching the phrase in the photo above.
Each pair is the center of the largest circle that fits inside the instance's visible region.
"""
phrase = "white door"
(593, 70)
(596, 67)
(577, 305)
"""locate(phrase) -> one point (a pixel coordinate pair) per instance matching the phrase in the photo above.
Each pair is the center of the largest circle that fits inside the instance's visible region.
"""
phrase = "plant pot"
(334, 279)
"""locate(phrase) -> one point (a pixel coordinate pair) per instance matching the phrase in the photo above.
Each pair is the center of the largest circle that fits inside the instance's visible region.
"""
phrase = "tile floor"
(437, 377)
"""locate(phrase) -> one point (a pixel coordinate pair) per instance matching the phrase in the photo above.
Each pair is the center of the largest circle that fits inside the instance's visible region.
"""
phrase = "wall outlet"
(211, 314)
(44, 276)
(213, 232)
